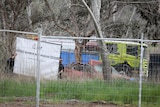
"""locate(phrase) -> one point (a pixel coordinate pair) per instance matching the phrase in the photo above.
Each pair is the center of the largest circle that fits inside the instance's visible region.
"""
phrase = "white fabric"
(66, 44)
(26, 59)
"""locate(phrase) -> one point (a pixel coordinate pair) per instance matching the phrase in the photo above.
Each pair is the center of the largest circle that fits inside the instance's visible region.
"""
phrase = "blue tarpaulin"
(69, 57)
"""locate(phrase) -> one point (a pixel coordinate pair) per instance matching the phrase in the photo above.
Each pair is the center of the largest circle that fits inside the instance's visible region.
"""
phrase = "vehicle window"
(77, 67)
(144, 53)
(132, 50)
(82, 67)
(91, 48)
(98, 67)
(112, 48)
(87, 68)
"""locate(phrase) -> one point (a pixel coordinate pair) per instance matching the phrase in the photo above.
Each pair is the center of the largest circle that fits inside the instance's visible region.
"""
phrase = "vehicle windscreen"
(132, 50)
(112, 48)
(99, 69)
(135, 50)
(144, 53)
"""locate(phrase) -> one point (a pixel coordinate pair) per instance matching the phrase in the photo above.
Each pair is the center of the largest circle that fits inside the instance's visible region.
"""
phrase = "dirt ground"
(20, 104)
(69, 103)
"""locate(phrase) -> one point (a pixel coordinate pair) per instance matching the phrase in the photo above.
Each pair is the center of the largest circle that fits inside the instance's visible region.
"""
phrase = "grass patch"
(120, 92)
(15, 86)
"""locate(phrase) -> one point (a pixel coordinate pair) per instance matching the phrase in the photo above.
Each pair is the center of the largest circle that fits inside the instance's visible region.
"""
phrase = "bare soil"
(28, 102)
(21, 104)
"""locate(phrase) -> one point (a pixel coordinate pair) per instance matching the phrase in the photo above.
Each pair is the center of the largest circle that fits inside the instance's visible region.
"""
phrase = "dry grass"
(16, 77)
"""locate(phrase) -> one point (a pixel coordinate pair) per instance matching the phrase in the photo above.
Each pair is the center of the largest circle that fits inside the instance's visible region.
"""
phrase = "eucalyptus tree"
(12, 18)
(149, 11)
(148, 17)
(95, 14)
(75, 20)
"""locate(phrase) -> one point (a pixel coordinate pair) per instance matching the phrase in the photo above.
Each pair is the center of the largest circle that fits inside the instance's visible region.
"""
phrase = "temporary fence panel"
(83, 84)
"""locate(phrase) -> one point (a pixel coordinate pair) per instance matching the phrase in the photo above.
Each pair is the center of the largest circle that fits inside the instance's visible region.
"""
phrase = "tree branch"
(54, 19)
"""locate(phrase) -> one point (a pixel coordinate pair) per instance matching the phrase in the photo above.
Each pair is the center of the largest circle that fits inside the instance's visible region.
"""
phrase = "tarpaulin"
(26, 59)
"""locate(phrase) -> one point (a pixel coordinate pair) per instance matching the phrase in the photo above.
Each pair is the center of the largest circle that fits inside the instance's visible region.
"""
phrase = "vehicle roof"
(124, 42)
(94, 43)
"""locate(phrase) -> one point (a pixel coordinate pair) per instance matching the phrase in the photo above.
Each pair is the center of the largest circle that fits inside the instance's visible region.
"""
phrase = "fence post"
(141, 70)
(38, 68)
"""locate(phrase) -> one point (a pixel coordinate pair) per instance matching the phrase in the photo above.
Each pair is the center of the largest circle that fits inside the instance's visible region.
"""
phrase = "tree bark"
(159, 6)
(78, 51)
(29, 13)
(96, 7)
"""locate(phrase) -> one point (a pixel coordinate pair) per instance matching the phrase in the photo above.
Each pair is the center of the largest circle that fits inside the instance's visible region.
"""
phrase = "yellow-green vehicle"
(125, 56)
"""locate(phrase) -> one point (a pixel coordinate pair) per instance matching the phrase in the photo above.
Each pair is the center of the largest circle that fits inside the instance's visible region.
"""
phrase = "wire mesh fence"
(81, 82)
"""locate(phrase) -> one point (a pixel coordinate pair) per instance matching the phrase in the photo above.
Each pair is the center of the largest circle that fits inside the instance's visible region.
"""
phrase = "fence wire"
(81, 82)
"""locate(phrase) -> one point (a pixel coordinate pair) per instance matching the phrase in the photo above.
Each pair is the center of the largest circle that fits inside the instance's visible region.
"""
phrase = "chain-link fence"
(37, 79)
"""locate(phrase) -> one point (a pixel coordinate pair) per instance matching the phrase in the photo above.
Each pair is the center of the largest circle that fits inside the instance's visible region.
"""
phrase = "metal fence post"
(140, 74)
(38, 68)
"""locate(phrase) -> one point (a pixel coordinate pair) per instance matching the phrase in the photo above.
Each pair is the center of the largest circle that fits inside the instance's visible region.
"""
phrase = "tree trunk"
(106, 66)
(29, 13)
(159, 6)
(78, 52)
(96, 7)
(130, 20)
(4, 27)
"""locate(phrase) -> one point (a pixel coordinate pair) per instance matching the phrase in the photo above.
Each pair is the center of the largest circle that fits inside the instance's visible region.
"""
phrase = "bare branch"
(54, 19)
(90, 33)
(67, 29)
(77, 5)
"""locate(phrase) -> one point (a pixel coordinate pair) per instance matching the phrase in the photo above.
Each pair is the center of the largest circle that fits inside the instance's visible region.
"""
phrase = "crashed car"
(92, 70)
